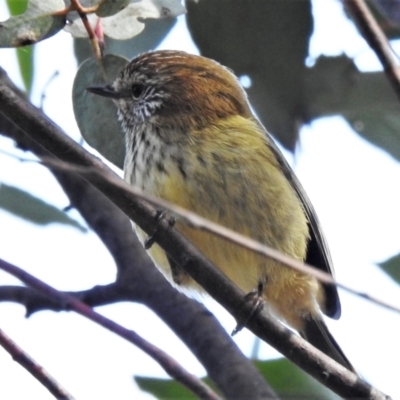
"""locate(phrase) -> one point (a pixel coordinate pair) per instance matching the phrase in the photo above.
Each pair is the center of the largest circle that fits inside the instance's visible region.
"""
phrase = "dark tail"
(316, 332)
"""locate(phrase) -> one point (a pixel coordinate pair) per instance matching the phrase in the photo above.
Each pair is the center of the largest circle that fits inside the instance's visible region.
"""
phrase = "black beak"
(105, 91)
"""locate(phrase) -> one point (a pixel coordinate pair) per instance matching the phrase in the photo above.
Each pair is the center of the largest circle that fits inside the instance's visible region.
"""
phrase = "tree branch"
(171, 367)
(22, 358)
(376, 40)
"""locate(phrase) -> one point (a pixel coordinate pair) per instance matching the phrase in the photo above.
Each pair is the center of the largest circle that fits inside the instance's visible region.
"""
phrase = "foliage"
(288, 381)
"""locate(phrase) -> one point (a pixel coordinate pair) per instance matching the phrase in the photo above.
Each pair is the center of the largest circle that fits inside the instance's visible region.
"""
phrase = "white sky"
(351, 183)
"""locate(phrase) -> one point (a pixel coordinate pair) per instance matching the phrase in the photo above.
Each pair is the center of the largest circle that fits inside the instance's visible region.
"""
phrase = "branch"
(201, 223)
(34, 368)
(33, 123)
(35, 301)
(376, 39)
(171, 366)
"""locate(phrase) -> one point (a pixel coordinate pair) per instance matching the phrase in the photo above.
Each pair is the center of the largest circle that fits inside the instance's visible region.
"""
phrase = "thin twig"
(170, 365)
(376, 39)
(22, 358)
(92, 36)
(77, 6)
(82, 12)
(199, 222)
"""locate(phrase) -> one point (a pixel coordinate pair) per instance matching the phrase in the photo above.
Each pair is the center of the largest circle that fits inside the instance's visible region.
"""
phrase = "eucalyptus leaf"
(392, 267)
(290, 382)
(33, 209)
(37, 23)
(24, 55)
(381, 128)
(164, 389)
(111, 7)
(17, 7)
(287, 380)
(97, 116)
(129, 21)
(26, 66)
(334, 86)
(153, 34)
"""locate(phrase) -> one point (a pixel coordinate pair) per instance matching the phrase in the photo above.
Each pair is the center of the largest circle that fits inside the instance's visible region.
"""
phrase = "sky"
(350, 182)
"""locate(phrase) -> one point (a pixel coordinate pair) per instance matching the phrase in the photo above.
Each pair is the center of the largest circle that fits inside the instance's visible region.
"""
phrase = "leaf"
(164, 389)
(290, 382)
(33, 209)
(366, 100)
(97, 116)
(155, 31)
(126, 24)
(392, 267)
(268, 42)
(35, 24)
(17, 7)
(381, 128)
(287, 380)
(111, 7)
(26, 66)
(24, 55)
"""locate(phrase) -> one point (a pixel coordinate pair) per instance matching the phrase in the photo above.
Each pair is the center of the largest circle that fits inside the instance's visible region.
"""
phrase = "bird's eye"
(137, 89)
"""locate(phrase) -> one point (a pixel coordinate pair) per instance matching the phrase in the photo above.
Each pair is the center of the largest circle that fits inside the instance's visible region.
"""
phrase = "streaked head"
(174, 89)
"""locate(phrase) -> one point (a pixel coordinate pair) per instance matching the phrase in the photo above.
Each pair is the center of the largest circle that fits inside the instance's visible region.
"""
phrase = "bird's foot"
(253, 301)
(150, 240)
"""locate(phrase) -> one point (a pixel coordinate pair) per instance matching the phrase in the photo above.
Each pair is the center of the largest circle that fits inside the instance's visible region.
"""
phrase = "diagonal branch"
(22, 358)
(35, 301)
(376, 39)
(171, 366)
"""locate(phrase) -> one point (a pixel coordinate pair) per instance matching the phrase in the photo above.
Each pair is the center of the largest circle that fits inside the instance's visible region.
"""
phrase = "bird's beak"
(105, 91)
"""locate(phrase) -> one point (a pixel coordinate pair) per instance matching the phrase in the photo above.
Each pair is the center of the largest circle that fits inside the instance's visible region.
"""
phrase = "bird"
(192, 139)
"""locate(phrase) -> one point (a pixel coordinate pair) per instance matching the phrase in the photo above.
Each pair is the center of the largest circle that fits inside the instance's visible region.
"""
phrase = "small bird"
(192, 139)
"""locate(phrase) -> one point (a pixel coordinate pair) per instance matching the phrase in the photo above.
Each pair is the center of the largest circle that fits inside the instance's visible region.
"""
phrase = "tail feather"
(316, 332)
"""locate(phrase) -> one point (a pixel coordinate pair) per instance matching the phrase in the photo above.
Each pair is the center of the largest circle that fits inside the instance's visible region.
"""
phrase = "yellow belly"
(232, 178)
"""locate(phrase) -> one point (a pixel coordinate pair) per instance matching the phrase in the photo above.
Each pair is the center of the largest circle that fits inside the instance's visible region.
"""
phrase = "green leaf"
(381, 128)
(392, 267)
(111, 7)
(37, 23)
(290, 382)
(366, 100)
(17, 7)
(33, 209)
(164, 389)
(24, 55)
(97, 116)
(26, 66)
(287, 380)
